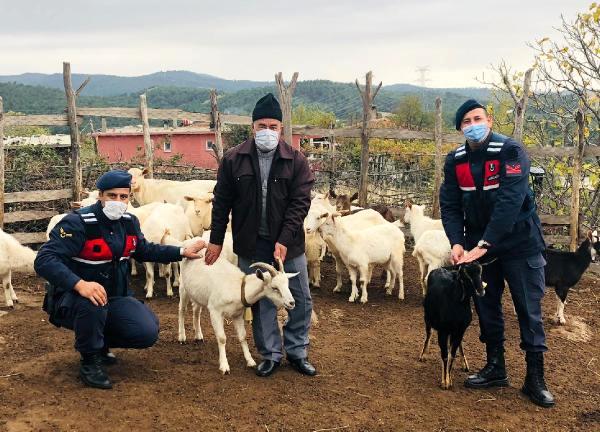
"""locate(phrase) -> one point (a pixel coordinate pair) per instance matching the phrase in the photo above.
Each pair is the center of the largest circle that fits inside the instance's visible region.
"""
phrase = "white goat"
(220, 287)
(146, 191)
(362, 219)
(361, 249)
(167, 224)
(419, 223)
(432, 251)
(13, 257)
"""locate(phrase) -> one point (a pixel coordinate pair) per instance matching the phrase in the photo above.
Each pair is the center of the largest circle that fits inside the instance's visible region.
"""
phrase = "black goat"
(447, 307)
(564, 269)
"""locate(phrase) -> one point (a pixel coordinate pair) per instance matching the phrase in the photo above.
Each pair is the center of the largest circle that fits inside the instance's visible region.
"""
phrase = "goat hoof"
(388, 292)
(199, 341)
(182, 342)
(364, 300)
(337, 289)
(16, 300)
(225, 371)
(421, 359)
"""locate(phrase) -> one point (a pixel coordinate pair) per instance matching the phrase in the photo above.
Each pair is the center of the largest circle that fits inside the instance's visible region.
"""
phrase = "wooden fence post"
(576, 181)
(285, 98)
(367, 100)
(148, 147)
(74, 128)
(1, 163)
(103, 124)
(216, 125)
(439, 160)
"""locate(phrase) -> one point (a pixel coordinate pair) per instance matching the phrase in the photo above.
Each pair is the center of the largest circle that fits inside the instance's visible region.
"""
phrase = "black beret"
(114, 179)
(267, 107)
(469, 105)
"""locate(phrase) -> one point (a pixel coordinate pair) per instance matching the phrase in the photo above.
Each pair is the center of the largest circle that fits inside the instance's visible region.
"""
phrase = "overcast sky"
(245, 39)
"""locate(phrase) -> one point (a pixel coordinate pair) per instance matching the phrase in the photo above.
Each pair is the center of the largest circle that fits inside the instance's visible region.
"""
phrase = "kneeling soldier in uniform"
(86, 264)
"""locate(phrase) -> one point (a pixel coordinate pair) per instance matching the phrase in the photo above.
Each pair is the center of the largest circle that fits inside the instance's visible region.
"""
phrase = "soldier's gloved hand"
(457, 253)
(192, 250)
(92, 291)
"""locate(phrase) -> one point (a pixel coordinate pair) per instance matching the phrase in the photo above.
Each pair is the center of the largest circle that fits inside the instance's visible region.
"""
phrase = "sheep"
(447, 309)
(360, 220)
(167, 224)
(198, 211)
(419, 223)
(226, 291)
(432, 251)
(146, 191)
(343, 204)
(360, 249)
(315, 249)
(564, 269)
(13, 257)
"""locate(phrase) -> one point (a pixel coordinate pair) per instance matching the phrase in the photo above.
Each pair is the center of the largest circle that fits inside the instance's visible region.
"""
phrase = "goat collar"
(243, 294)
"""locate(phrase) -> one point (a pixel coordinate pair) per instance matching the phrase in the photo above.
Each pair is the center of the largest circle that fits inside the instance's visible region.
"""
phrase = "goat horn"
(280, 263)
(265, 266)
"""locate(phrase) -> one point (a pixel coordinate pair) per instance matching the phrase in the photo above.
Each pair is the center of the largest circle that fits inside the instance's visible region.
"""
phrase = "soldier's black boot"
(92, 373)
(535, 386)
(493, 373)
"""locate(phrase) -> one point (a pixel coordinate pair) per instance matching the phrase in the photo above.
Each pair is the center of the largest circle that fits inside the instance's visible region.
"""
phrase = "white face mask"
(266, 140)
(114, 210)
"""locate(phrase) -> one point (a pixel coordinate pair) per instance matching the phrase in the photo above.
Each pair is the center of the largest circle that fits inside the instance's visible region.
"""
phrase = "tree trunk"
(216, 125)
(439, 160)
(74, 128)
(148, 147)
(285, 99)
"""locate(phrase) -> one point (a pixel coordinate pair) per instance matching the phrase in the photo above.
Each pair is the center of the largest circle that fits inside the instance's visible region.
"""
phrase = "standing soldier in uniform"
(266, 185)
(86, 264)
(488, 209)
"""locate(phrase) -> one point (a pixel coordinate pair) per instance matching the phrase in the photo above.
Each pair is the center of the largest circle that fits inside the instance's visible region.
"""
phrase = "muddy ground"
(369, 377)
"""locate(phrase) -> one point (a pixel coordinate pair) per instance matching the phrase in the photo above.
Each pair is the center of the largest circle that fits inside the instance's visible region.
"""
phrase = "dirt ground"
(369, 377)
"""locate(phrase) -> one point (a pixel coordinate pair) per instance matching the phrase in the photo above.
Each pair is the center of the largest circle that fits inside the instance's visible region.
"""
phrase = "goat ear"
(408, 204)
(590, 235)
(354, 197)
(331, 194)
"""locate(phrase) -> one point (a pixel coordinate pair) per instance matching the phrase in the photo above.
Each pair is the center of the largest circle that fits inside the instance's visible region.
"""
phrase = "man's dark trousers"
(526, 282)
(264, 313)
(124, 322)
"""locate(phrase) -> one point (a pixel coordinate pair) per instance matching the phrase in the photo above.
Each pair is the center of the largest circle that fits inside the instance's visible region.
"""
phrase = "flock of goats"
(174, 213)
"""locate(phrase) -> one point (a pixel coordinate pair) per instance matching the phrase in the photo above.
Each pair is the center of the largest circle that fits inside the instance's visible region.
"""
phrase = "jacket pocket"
(536, 261)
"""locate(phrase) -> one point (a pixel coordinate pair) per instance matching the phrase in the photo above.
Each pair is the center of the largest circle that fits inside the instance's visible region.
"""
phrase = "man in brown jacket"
(266, 185)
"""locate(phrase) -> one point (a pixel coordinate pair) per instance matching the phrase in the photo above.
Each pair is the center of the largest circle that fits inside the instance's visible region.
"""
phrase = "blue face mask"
(477, 132)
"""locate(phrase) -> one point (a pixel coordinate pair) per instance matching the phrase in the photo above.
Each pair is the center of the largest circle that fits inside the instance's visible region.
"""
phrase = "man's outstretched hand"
(213, 252)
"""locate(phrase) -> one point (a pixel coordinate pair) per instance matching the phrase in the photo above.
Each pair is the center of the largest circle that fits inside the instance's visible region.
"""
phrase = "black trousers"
(526, 282)
(124, 322)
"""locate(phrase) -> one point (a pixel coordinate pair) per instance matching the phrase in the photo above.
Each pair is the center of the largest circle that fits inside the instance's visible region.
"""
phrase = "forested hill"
(340, 98)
